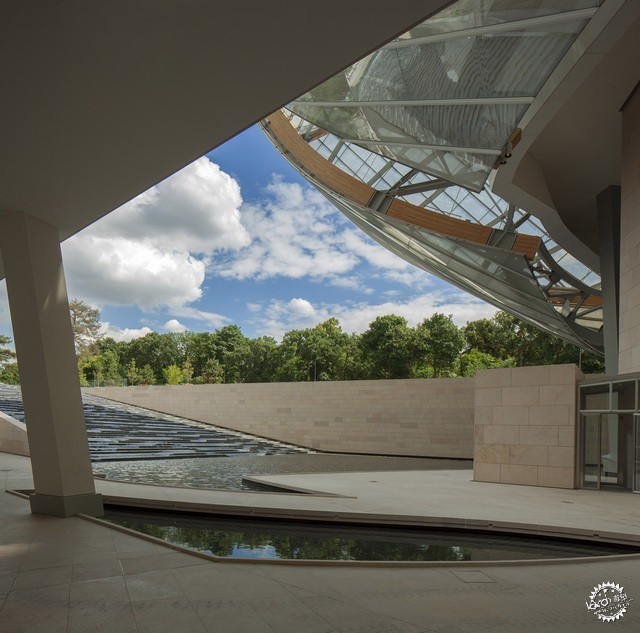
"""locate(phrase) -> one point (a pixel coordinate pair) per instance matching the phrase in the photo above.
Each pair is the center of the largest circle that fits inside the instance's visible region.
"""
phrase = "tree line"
(389, 348)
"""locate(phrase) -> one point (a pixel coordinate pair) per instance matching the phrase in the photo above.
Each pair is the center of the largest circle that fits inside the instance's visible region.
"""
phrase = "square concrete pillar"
(629, 346)
(43, 337)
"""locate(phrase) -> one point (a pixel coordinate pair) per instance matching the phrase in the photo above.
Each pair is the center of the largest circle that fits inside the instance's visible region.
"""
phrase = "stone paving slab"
(412, 497)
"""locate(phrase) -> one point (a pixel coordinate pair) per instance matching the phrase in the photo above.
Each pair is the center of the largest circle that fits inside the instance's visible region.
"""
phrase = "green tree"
(87, 329)
(474, 360)
(317, 353)
(156, 350)
(352, 365)
(100, 369)
(147, 375)
(439, 343)
(199, 347)
(187, 371)
(388, 347)
(259, 360)
(172, 375)
(505, 336)
(231, 346)
(9, 374)
(132, 373)
(212, 372)
(5, 354)
(493, 336)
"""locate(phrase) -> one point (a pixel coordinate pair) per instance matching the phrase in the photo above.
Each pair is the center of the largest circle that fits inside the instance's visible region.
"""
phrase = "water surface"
(258, 539)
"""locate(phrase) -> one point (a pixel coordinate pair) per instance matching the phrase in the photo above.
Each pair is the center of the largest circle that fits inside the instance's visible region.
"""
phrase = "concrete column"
(629, 358)
(609, 229)
(48, 370)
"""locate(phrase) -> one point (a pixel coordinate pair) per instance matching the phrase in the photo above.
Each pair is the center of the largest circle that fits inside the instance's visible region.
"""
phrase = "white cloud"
(209, 318)
(118, 271)
(196, 210)
(295, 233)
(153, 251)
(460, 306)
(372, 252)
(354, 282)
(301, 307)
(278, 317)
(126, 334)
(173, 325)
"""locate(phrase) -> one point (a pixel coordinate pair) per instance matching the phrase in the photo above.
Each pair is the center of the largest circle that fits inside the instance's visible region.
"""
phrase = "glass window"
(636, 485)
(623, 396)
(594, 397)
(591, 454)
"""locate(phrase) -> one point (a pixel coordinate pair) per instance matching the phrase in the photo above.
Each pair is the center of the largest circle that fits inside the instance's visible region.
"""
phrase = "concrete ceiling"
(102, 100)
(571, 146)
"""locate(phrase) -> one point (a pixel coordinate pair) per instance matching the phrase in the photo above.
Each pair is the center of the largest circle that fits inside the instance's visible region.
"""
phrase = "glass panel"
(496, 276)
(636, 485)
(609, 449)
(498, 65)
(469, 14)
(594, 397)
(623, 396)
(616, 451)
(504, 279)
(499, 62)
(626, 451)
(591, 456)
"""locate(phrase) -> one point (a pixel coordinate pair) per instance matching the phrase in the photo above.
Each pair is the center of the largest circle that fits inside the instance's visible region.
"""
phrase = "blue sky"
(239, 237)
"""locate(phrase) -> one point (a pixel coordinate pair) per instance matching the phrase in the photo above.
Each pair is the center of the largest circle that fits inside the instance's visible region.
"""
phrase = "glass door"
(616, 450)
(610, 455)
(591, 455)
(609, 435)
(636, 478)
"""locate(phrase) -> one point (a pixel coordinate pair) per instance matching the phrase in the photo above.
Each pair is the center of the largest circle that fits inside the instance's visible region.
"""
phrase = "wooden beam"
(361, 194)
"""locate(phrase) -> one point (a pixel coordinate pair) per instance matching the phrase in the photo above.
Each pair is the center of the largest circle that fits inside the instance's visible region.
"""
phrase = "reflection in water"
(249, 538)
(228, 472)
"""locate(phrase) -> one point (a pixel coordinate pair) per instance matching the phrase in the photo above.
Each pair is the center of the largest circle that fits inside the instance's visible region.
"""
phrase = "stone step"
(124, 432)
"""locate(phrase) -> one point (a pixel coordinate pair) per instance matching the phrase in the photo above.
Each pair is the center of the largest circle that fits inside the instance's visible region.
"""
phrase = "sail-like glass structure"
(404, 141)
(446, 97)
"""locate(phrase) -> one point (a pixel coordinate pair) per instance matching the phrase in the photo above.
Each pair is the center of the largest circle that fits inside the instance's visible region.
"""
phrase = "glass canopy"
(447, 96)
(476, 241)
(403, 141)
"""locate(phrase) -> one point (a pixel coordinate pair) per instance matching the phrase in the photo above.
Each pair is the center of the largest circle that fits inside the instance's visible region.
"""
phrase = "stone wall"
(629, 348)
(13, 436)
(431, 418)
(525, 425)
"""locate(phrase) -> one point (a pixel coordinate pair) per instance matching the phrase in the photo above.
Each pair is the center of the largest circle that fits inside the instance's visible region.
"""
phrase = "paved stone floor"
(68, 575)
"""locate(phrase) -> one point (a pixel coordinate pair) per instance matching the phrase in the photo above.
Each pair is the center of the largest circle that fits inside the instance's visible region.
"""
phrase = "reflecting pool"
(258, 539)
(228, 472)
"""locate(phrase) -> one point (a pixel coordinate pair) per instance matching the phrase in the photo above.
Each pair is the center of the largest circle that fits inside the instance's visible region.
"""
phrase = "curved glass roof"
(476, 241)
(446, 97)
(403, 141)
